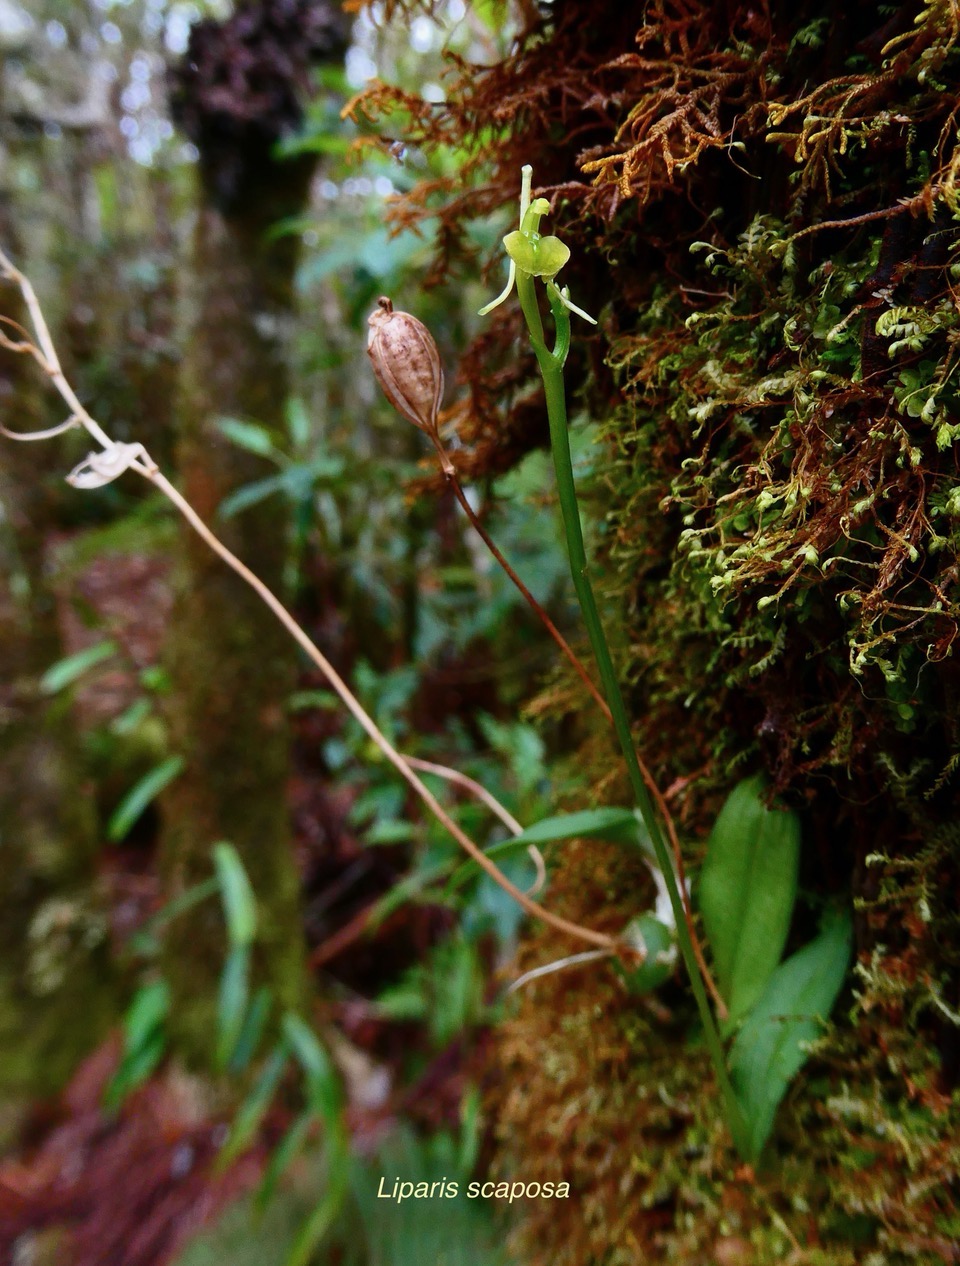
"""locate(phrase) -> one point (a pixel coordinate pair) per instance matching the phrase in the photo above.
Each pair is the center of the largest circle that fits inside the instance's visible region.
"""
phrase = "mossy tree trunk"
(231, 665)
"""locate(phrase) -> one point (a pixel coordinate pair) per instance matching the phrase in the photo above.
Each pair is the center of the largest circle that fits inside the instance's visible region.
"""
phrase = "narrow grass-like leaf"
(748, 887)
(323, 1081)
(771, 1046)
(145, 1041)
(283, 1154)
(239, 902)
(135, 1067)
(254, 1108)
(322, 1218)
(252, 1031)
(617, 825)
(232, 1002)
(68, 670)
(145, 790)
(144, 940)
(250, 495)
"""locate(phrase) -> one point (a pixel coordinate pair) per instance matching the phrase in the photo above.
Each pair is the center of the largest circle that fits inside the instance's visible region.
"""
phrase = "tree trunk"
(231, 665)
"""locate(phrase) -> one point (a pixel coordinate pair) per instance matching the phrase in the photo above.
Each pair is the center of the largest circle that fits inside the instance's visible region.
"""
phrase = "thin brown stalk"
(45, 353)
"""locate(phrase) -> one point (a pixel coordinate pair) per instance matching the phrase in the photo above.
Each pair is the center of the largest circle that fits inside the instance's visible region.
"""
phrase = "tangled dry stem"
(44, 352)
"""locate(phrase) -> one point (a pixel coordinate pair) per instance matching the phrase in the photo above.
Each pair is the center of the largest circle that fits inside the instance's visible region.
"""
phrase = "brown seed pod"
(407, 365)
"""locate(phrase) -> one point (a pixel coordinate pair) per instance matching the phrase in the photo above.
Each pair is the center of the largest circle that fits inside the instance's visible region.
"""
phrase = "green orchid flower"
(535, 254)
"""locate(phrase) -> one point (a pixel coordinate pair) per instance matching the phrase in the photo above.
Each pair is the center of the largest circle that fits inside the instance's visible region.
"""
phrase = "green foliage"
(144, 791)
(144, 1041)
(444, 992)
(239, 902)
(65, 672)
(774, 1041)
(748, 887)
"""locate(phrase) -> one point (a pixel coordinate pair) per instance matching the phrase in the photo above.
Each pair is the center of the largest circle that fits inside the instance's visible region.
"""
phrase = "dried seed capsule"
(407, 364)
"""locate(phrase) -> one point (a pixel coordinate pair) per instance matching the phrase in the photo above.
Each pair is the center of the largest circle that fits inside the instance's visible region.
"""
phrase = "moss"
(763, 202)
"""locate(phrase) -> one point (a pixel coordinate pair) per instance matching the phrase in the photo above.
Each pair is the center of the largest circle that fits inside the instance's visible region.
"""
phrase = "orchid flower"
(535, 254)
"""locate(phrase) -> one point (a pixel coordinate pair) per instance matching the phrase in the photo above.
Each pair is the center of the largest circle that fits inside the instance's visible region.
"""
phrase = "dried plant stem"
(493, 804)
(567, 650)
(369, 726)
(45, 354)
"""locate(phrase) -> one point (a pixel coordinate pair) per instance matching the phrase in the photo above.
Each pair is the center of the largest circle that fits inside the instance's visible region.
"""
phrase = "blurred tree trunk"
(231, 665)
(52, 935)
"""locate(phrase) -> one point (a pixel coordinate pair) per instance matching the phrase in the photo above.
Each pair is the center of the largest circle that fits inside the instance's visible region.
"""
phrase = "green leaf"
(285, 1152)
(140, 795)
(135, 1067)
(323, 1081)
(748, 887)
(253, 1109)
(252, 1031)
(771, 1046)
(618, 825)
(148, 1010)
(232, 1002)
(298, 422)
(251, 494)
(391, 831)
(144, 940)
(321, 1219)
(239, 902)
(250, 436)
(66, 671)
(144, 1041)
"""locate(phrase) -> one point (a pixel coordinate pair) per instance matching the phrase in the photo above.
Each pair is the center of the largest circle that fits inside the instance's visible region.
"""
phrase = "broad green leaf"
(771, 1046)
(253, 1109)
(66, 671)
(140, 795)
(239, 902)
(250, 436)
(232, 1002)
(390, 831)
(748, 887)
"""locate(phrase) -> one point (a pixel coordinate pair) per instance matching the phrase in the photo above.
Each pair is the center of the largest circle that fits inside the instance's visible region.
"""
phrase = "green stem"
(551, 370)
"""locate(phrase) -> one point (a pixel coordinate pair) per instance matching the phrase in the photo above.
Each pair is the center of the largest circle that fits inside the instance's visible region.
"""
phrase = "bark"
(231, 664)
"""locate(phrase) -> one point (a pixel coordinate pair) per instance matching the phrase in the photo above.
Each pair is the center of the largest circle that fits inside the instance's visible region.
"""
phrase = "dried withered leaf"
(407, 365)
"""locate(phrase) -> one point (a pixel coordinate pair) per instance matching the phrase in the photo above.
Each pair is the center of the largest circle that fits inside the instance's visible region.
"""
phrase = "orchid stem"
(551, 371)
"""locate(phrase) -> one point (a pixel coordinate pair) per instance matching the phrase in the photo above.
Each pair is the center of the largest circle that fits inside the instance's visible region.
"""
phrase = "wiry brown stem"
(45, 354)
